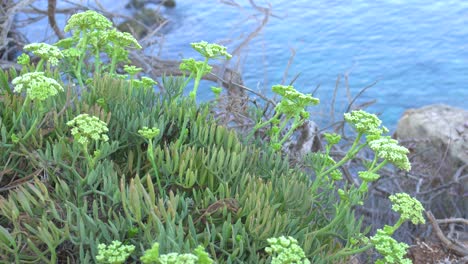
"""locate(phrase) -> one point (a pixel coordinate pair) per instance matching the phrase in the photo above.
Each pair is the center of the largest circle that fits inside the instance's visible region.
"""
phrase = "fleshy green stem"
(114, 61)
(18, 117)
(97, 63)
(378, 167)
(200, 73)
(39, 65)
(81, 60)
(351, 153)
(87, 156)
(295, 125)
(153, 164)
(343, 253)
(260, 125)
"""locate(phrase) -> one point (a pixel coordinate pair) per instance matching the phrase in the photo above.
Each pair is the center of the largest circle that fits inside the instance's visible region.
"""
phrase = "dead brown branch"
(51, 7)
(451, 244)
(9, 11)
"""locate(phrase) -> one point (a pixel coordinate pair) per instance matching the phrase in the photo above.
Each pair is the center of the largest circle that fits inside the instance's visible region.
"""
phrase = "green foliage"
(115, 253)
(409, 208)
(292, 107)
(37, 86)
(286, 250)
(199, 257)
(198, 69)
(163, 175)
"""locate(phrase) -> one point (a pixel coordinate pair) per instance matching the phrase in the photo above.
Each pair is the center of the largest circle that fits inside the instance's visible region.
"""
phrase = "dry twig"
(453, 245)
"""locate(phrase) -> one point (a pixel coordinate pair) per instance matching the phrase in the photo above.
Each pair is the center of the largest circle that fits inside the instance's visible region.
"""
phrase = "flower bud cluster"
(86, 128)
(37, 85)
(286, 250)
(210, 50)
(114, 253)
(47, 52)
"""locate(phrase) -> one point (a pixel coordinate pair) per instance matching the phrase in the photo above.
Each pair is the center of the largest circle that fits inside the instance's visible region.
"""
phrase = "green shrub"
(113, 160)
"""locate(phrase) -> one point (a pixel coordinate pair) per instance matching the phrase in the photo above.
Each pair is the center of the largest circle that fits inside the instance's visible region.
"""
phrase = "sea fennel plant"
(292, 107)
(93, 37)
(88, 130)
(198, 69)
(171, 177)
(386, 150)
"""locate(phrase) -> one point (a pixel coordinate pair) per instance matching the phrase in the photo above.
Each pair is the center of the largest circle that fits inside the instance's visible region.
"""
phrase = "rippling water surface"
(415, 50)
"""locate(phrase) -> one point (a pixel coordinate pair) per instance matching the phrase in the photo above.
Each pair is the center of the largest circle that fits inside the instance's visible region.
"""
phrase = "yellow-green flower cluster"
(409, 208)
(176, 258)
(114, 253)
(194, 66)
(387, 148)
(148, 133)
(23, 59)
(210, 51)
(216, 90)
(132, 69)
(365, 123)
(368, 176)
(47, 52)
(152, 256)
(147, 82)
(121, 39)
(293, 102)
(86, 128)
(37, 85)
(286, 250)
(89, 20)
(336, 175)
(332, 138)
(392, 251)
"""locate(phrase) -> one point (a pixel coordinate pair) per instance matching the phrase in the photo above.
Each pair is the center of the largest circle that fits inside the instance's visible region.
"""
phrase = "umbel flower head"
(368, 176)
(409, 208)
(86, 127)
(47, 52)
(387, 148)
(332, 138)
(364, 122)
(152, 256)
(121, 39)
(89, 20)
(178, 258)
(210, 51)
(390, 249)
(23, 59)
(286, 250)
(194, 66)
(114, 253)
(148, 133)
(132, 69)
(147, 82)
(37, 85)
(293, 102)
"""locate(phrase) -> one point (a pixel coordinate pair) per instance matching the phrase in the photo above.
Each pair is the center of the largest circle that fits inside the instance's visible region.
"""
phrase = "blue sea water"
(416, 51)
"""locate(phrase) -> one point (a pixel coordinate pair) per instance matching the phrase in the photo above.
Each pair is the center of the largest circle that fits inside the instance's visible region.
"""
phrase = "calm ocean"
(416, 51)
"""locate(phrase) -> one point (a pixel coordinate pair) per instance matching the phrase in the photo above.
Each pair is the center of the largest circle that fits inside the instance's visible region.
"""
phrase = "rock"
(144, 19)
(436, 129)
(169, 3)
(303, 141)
(437, 137)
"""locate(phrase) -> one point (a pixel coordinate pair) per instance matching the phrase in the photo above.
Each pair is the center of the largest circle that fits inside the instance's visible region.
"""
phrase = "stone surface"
(437, 137)
(438, 131)
(303, 141)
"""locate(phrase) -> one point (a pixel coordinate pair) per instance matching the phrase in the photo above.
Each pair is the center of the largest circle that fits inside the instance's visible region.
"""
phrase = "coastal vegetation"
(102, 168)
